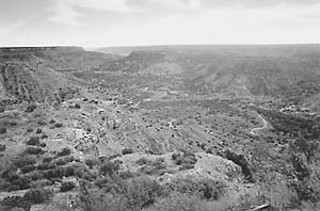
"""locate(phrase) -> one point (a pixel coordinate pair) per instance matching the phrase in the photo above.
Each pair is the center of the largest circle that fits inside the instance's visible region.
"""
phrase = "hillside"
(36, 74)
(194, 127)
(290, 72)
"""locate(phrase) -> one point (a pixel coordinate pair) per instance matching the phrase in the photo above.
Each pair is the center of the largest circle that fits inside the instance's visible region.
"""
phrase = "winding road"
(255, 130)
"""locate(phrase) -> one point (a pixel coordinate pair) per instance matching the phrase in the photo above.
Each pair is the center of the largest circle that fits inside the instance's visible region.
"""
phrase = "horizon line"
(155, 45)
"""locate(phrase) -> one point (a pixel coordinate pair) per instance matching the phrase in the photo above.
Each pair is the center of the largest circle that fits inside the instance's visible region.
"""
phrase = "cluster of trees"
(143, 192)
(25, 171)
(296, 165)
(33, 196)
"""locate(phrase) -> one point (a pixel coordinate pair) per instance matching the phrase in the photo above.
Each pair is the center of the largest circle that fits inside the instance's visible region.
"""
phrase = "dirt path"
(255, 130)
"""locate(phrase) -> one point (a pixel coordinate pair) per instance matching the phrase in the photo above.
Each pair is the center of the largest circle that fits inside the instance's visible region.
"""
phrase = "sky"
(103, 23)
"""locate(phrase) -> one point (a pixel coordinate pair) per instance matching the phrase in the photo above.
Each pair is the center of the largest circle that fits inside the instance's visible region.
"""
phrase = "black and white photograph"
(159, 105)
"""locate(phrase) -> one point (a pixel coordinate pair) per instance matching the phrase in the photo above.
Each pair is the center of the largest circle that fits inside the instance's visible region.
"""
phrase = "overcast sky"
(94, 23)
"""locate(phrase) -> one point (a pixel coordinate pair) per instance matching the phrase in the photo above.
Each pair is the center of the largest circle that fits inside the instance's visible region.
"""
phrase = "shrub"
(44, 136)
(29, 130)
(64, 160)
(141, 192)
(60, 162)
(143, 161)
(153, 152)
(16, 201)
(187, 159)
(3, 130)
(24, 161)
(21, 182)
(69, 171)
(128, 175)
(68, 159)
(107, 183)
(174, 156)
(4, 185)
(38, 130)
(135, 194)
(310, 206)
(9, 173)
(300, 166)
(47, 159)
(41, 183)
(90, 163)
(97, 202)
(64, 152)
(31, 108)
(36, 175)
(63, 204)
(42, 122)
(52, 121)
(153, 168)
(28, 168)
(109, 168)
(10, 123)
(182, 202)
(54, 173)
(46, 166)
(206, 188)
(58, 125)
(160, 160)
(126, 151)
(308, 190)
(281, 196)
(89, 176)
(78, 169)
(242, 162)
(159, 163)
(33, 151)
(149, 170)
(33, 141)
(186, 166)
(67, 186)
(13, 188)
(2, 147)
(37, 196)
(43, 145)
(188, 153)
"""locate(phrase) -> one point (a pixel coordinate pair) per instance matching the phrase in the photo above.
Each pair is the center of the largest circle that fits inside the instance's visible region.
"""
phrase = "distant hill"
(291, 72)
(33, 74)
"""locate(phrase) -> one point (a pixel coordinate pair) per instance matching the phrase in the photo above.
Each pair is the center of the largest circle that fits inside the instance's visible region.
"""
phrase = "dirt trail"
(255, 130)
